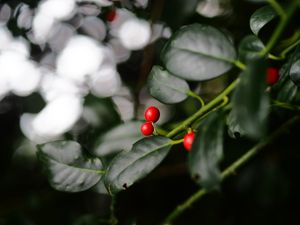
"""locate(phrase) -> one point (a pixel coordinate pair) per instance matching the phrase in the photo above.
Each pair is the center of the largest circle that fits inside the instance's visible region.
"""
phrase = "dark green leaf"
(130, 166)
(295, 66)
(207, 151)
(68, 168)
(250, 101)
(118, 138)
(286, 86)
(249, 48)
(261, 17)
(295, 72)
(198, 52)
(165, 87)
(234, 129)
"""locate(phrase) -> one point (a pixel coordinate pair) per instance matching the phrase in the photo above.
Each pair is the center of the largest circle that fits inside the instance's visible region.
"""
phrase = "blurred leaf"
(198, 52)
(207, 151)
(261, 17)
(250, 101)
(68, 168)
(249, 47)
(130, 166)
(165, 87)
(121, 137)
(234, 129)
(176, 12)
(106, 114)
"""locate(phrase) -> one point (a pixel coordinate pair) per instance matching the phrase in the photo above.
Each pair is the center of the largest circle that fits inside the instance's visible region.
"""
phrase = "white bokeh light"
(53, 87)
(135, 34)
(105, 82)
(81, 57)
(57, 117)
(57, 9)
(22, 76)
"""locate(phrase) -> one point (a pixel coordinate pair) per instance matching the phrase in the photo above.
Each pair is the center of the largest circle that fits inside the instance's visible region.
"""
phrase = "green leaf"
(121, 137)
(130, 166)
(165, 87)
(286, 87)
(249, 48)
(261, 17)
(295, 72)
(67, 166)
(294, 69)
(207, 151)
(250, 101)
(234, 128)
(198, 52)
(100, 188)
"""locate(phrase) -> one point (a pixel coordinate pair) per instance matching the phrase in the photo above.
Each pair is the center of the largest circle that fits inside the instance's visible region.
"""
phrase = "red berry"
(147, 128)
(111, 15)
(152, 114)
(272, 75)
(188, 140)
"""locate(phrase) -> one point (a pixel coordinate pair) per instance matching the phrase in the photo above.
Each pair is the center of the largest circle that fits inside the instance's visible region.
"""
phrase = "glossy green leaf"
(165, 87)
(68, 167)
(207, 151)
(250, 101)
(198, 52)
(249, 48)
(130, 166)
(261, 17)
(295, 72)
(121, 137)
(287, 87)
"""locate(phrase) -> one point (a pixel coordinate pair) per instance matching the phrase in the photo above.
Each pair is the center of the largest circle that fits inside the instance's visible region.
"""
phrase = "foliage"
(109, 154)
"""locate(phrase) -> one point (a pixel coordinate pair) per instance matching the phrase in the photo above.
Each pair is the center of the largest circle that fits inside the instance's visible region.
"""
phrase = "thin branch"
(231, 170)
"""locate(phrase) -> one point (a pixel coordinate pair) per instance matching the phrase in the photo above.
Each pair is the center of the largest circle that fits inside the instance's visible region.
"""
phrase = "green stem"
(279, 29)
(239, 64)
(277, 8)
(209, 106)
(194, 95)
(285, 105)
(113, 219)
(288, 49)
(231, 170)
(176, 142)
(197, 122)
(160, 131)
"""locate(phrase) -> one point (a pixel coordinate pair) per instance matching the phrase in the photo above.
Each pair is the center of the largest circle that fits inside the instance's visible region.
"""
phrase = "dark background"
(265, 191)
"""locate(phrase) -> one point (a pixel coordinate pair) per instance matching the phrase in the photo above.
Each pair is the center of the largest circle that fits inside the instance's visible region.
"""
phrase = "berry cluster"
(151, 115)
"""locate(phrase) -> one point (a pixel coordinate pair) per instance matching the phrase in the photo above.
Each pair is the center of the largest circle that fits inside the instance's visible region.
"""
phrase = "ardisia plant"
(262, 74)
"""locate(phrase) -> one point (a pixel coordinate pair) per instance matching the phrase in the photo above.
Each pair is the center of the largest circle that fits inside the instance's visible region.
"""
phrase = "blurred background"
(100, 85)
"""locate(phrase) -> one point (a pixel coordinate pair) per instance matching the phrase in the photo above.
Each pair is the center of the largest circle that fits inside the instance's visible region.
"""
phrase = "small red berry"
(272, 76)
(188, 140)
(147, 128)
(111, 15)
(152, 114)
